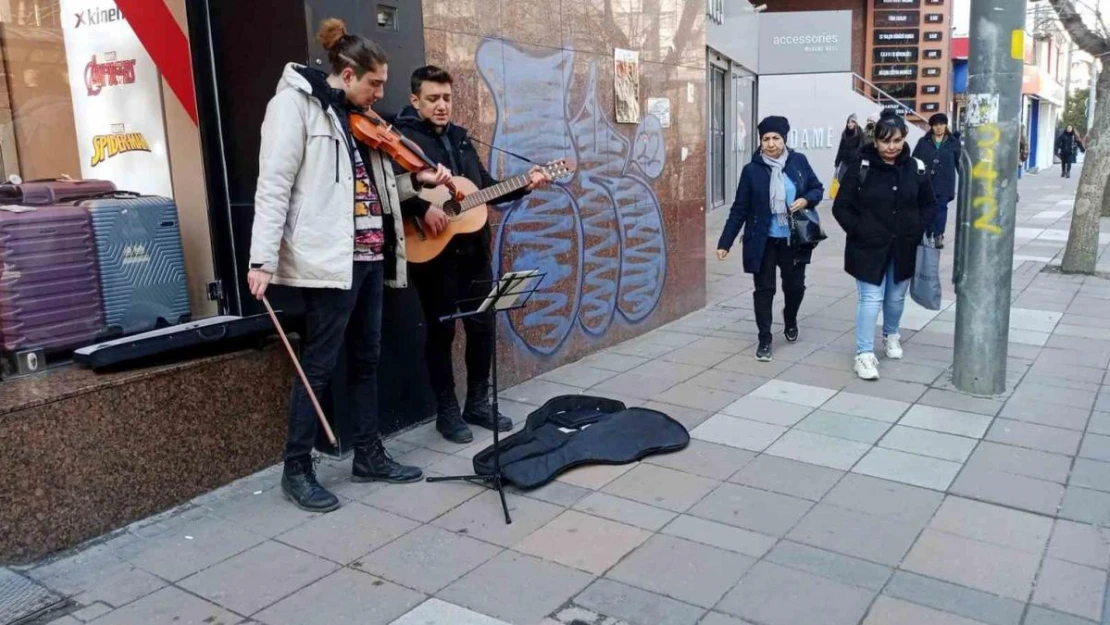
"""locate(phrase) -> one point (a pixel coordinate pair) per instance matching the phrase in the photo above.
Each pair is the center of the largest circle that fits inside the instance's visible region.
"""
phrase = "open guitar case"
(574, 430)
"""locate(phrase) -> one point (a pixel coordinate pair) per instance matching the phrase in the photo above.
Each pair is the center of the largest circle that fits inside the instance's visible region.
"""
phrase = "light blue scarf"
(778, 186)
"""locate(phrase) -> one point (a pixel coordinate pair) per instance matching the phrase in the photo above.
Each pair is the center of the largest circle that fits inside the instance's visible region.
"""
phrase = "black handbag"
(805, 228)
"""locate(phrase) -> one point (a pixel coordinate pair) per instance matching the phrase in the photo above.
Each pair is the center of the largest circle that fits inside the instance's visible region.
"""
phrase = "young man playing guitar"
(462, 270)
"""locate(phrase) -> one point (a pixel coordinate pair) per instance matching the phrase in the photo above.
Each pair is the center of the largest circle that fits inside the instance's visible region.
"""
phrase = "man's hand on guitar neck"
(435, 220)
(538, 178)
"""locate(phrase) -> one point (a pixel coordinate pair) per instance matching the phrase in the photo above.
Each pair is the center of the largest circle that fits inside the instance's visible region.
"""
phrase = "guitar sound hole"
(452, 208)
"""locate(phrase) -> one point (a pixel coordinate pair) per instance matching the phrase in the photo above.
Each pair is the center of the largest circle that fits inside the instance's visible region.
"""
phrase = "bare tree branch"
(1081, 34)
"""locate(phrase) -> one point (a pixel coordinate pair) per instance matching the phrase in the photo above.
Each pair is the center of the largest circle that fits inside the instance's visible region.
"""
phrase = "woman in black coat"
(1068, 146)
(850, 142)
(940, 151)
(885, 204)
(775, 184)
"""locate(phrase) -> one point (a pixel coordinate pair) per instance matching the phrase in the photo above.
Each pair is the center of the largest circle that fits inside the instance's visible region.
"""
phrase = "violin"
(369, 128)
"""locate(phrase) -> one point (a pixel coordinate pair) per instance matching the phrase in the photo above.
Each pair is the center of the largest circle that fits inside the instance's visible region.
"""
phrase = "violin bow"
(300, 372)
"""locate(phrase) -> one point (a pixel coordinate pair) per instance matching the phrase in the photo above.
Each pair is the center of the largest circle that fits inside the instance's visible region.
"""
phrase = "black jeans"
(1065, 169)
(779, 255)
(460, 272)
(334, 317)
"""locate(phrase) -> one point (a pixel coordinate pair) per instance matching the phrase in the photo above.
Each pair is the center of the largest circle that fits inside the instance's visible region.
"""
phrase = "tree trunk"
(1081, 254)
(1106, 197)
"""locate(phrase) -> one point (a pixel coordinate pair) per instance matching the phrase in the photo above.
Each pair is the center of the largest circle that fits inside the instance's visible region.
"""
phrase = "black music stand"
(510, 292)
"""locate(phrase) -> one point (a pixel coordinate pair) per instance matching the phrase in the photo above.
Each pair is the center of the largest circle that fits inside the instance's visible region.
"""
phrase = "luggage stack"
(81, 261)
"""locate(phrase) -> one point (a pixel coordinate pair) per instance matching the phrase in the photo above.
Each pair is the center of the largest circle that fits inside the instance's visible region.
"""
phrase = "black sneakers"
(373, 464)
(791, 333)
(298, 483)
(763, 354)
(449, 422)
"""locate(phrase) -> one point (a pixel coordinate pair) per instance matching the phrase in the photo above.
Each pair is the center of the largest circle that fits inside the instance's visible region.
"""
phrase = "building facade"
(167, 97)
(732, 58)
(174, 92)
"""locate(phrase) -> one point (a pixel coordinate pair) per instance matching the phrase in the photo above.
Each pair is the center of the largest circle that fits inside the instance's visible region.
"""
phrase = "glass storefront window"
(81, 97)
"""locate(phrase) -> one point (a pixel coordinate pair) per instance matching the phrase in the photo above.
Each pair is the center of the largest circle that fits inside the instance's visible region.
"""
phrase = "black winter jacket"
(452, 148)
(1068, 147)
(848, 152)
(885, 217)
(943, 163)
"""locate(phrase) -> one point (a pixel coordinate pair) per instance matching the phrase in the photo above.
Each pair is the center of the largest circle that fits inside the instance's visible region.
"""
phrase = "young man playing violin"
(462, 270)
(324, 222)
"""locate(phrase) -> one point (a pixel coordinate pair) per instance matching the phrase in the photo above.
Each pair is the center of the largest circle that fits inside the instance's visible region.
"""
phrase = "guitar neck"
(489, 194)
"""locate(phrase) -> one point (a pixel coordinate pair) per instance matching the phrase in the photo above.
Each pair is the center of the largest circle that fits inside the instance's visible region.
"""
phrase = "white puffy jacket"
(304, 231)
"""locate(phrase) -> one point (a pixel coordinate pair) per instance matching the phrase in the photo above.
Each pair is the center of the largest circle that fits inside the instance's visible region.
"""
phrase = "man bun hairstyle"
(347, 51)
(429, 73)
(890, 124)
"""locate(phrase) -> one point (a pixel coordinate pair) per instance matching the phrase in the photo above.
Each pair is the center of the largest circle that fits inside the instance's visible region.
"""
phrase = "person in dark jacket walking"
(884, 205)
(1068, 146)
(940, 151)
(462, 270)
(776, 183)
(850, 142)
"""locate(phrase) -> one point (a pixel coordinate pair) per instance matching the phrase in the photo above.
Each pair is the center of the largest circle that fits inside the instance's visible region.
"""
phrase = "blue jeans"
(892, 300)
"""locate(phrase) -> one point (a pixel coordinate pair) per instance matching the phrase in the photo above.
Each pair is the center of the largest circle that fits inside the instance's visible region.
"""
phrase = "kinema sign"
(813, 42)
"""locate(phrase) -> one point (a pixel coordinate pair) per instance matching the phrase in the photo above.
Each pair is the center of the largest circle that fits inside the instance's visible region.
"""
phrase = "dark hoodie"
(884, 217)
(453, 148)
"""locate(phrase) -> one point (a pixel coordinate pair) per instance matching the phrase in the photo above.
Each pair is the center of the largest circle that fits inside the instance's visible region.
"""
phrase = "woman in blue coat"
(776, 183)
(940, 151)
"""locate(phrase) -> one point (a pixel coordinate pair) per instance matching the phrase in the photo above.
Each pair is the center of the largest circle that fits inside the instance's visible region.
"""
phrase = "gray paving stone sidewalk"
(806, 497)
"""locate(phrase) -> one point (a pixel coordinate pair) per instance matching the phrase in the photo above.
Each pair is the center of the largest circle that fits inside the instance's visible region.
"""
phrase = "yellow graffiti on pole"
(986, 174)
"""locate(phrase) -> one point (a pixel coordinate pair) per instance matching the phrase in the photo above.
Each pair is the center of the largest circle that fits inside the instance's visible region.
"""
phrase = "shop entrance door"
(716, 135)
(239, 53)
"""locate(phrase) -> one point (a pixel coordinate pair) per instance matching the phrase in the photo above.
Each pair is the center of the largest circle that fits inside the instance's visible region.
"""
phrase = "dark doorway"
(240, 48)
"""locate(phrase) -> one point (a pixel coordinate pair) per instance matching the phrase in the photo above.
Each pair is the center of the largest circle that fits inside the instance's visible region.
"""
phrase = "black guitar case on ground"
(574, 430)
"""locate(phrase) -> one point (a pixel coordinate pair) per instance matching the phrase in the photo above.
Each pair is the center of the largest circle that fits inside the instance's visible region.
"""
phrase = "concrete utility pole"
(985, 241)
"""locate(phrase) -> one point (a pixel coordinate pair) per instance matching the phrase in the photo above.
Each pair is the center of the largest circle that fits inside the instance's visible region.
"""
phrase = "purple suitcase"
(49, 288)
(47, 192)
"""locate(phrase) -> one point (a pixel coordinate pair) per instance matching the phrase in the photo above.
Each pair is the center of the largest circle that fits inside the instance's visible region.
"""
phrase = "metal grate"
(21, 599)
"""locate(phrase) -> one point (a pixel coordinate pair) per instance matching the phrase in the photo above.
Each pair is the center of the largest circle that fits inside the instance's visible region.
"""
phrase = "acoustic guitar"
(469, 214)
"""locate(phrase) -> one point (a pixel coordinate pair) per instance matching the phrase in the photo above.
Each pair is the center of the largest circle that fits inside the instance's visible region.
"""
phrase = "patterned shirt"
(369, 234)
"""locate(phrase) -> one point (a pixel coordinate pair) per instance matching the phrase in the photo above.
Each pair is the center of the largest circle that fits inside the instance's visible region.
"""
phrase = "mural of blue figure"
(602, 246)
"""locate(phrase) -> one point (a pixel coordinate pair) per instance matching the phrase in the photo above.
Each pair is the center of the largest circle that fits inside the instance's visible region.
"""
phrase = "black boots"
(298, 483)
(478, 410)
(449, 422)
(373, 464)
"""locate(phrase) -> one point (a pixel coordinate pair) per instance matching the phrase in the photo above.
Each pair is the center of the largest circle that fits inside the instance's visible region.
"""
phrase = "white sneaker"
(867, 366)
(893, 344)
